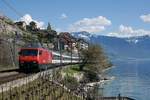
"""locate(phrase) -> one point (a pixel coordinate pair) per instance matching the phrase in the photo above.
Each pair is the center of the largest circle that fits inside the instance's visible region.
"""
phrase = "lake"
(132, 79)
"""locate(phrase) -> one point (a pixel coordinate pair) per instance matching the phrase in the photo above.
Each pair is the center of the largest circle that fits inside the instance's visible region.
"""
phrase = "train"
(33, 59)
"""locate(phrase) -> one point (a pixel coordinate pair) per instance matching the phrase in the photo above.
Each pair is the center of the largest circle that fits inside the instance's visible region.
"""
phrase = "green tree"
(94, 59)
(49, 27)
(33, 25)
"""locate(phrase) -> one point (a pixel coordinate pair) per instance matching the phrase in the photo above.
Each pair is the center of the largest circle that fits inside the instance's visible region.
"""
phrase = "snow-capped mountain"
(137, 39)
(134, 47)
(84, 35)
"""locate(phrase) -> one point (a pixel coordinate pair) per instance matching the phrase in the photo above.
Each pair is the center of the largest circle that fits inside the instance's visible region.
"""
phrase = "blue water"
(132, 78)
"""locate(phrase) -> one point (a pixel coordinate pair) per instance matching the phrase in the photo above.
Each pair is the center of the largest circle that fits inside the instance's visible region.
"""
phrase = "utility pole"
(71, 52)
(59, 48)
(14, 45)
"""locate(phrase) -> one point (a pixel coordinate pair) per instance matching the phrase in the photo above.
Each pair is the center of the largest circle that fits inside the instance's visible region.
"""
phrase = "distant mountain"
(120, 48)
(85, 35)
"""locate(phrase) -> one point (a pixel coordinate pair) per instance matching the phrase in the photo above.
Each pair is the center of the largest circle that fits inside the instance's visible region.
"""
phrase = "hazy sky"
(122, 18)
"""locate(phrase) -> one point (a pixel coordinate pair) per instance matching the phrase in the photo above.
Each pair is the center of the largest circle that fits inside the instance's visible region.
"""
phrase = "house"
(67, 41)
(21, 24)
(82, 44)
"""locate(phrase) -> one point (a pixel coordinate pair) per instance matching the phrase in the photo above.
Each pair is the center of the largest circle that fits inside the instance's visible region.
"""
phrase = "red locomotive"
(34, 58)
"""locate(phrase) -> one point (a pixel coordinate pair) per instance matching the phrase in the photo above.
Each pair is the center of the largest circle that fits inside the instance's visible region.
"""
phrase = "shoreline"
(100, 82)
(104, 70)
(103, 78)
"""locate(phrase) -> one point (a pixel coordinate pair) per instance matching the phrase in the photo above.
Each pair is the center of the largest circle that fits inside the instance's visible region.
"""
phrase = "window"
(27, 52)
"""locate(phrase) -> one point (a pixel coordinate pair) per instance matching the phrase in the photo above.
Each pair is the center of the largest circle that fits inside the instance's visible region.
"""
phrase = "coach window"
(56, 57)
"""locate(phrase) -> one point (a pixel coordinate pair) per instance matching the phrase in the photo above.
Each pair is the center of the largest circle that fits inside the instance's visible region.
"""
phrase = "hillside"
(11, 38)
(7, 27)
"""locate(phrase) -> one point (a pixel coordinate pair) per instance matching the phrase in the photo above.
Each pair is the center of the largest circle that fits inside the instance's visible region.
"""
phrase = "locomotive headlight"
(34, 61)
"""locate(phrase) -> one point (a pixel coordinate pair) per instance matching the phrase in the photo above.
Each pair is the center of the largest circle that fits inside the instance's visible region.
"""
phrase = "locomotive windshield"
(28, 52)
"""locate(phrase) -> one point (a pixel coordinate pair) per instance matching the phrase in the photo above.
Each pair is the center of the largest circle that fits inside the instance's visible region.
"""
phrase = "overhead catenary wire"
(12, 8)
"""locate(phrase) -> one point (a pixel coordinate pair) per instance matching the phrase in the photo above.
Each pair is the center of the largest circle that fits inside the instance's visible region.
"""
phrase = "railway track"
(10, 77)
(10, 70)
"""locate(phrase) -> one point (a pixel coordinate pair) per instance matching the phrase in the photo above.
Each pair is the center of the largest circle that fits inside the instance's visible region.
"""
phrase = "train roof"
(63, 55)
(33, 45)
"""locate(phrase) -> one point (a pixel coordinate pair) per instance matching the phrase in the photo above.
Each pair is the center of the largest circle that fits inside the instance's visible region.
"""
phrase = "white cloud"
(59, 30)
(91, 29)
(92, 25)
(145, 18)
(63, 16)
(127, 31)
(27, 19)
